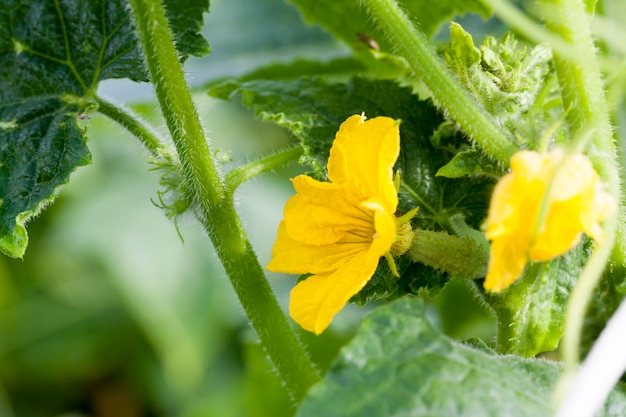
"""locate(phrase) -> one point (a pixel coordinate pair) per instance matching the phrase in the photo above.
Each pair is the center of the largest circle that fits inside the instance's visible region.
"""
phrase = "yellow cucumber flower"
(337, 231)
(539, 210)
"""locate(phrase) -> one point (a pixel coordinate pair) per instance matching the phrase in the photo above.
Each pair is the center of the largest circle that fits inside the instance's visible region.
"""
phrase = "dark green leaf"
(35, 158)
(185, 19)
(383, 284)
(470, 162)
(53, 56)
(414, 278)
(398, 364)
(531, 313)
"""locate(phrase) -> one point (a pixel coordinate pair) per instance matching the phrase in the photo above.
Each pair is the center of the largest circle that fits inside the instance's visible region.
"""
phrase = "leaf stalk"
(241, 174)
(131, 122)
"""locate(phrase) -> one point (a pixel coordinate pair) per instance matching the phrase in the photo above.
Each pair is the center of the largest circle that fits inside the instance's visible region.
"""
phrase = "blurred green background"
(111, 315)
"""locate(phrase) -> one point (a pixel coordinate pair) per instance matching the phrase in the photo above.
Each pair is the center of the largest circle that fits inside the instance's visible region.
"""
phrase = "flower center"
(404, 238)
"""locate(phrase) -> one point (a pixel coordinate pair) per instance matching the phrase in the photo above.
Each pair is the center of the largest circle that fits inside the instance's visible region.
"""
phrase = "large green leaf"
(398, 364)
(313, 109)
(53, 56)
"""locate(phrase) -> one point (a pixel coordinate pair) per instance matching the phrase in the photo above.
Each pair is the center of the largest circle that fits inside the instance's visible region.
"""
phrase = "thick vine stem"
(446, 88)
(216, 208)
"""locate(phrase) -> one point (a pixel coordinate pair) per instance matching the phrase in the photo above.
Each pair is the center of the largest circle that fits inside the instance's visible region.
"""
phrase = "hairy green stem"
(446, 88)
(241, 174)
(583, 98)
(216, 208)
(132, 122)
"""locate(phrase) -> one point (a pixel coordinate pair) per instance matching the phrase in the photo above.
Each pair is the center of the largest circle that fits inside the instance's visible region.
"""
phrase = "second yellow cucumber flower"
(539, 211)
(339, 230)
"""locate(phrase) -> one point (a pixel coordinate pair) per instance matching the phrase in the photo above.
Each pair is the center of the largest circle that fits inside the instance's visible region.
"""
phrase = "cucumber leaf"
(53, 56)
(399, 364)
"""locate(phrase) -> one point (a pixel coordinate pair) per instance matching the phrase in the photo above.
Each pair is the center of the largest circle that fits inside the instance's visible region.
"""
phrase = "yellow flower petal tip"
(338, 230)
(540, 209)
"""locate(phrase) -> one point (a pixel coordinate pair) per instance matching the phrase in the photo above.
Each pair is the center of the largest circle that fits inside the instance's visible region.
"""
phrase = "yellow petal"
(315, 301)
(338, 231)
(503, 207)
(293, 257)
(574, 207)
(572, 177)
(595, 209)
(363, 154)
(519, 231)
(322, 213)
(507, 260)
(529, 165)
(570, 183)
(510, 223)
(561, 231)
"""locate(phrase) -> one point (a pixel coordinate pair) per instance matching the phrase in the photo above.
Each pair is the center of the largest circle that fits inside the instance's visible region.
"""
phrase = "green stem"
(241, 174)
(583, 97)
(132, 122)
(446, 88)
(216, 209)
